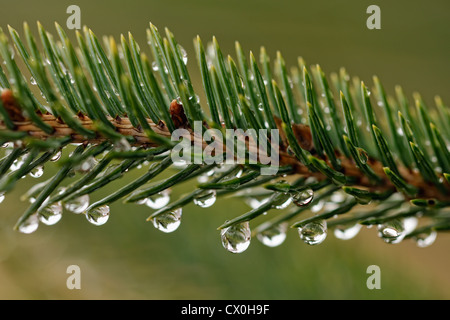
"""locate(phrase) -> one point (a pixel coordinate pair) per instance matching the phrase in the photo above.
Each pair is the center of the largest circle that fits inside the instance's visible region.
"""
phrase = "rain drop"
(57, 156)
(317, 206)
(77, 205)
(169, 221)
(155, 66)
(282, 201)
(87, 165)
(425, 239)
(274, 236)
(314, 232)
(206, 199)
(30, 225)
(37, 172)
(183, 54)
(236, 238)
(33, 81)
(391, 231)
(51, 214)
(303, 197)
(98, 216)
(159, 200)
(2, 196)
(346, 232)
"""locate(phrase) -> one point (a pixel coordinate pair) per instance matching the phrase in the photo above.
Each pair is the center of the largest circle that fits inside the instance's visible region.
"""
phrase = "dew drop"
(282, 201)
(98, 216)
(425, 239)
(33, 81)
(260, 107)
(314, 232)
(363, 156)
(155, 66)
(183, 54)
(2, 196)
(37, 172)
(346, 232)
(391, 231)
(30, 225)
(274, 236)
(87, 165)
(317, 206)
(236, 238)
(206, 199)
(255, 203)
(410, 223)
(169, 221)
(205, 177)
(18, 163)
(77, 205)
(51, 214)
(57, 156)
(122, 145)
(303, 197)
(158, 200)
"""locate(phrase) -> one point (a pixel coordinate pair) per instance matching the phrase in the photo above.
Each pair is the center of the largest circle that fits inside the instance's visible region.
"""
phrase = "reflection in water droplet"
(158, 200)
(168, 221)
(425, 239)
(236, 238)
(30, 225)
(274, 236)
(346, 232)
(98, 216)
(303, 197)
(57, 156)
(313, 232)
(37, 172)
(51, 214)
(391, 231)
(206, 199)
(77, 205)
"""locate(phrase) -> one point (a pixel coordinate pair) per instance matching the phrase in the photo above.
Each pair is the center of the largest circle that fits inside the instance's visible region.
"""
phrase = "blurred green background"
(128, 259)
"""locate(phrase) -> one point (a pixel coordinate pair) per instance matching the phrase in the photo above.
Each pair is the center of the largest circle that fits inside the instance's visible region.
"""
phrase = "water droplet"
(122, 145)
(169, 221)
(87, 165)
(313, 232)
(98, 216)
(33, 81)
(274, 236)
(2, 196)
(30, 225)
(363, 156)
(206, 199)
(77, 205)
(410, 223)
(260, 107)
(391, 231)
(205, 177)
(338, 197)
(236, 238)
(57, 156)
(18, 163)
(346, 232)
(155, 66)
(317, 206)
(183, 54)
(51, 214)
(303, 197)
(282, 201)
(37, 172)
(425, 239)
(158, 200)
(255, 203)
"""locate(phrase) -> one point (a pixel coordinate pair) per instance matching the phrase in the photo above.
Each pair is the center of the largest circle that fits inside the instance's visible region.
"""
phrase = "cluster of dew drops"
(235, 238)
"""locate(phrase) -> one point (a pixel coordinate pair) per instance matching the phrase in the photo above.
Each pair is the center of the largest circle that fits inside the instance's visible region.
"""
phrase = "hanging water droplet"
(155, 66)
(51, 214)
(2, 196)
(282, 201)
(303, 197)
(236, 238)
(206, 199)
(37, 172)
(30, 225)
(57, 156)
(313, 232)
(169, 221)
(33, 81)
(87, 165)
(391, 231)
(18, 163)
(274, 236)
(425, 239)
(158, 200)
(98, 216)
(317, 206)
(346, 232)
(77, 205)
(409, 224)
(183, 54)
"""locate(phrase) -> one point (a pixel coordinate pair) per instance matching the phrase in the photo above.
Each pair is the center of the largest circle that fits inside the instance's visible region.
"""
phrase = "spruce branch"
(121, 108)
